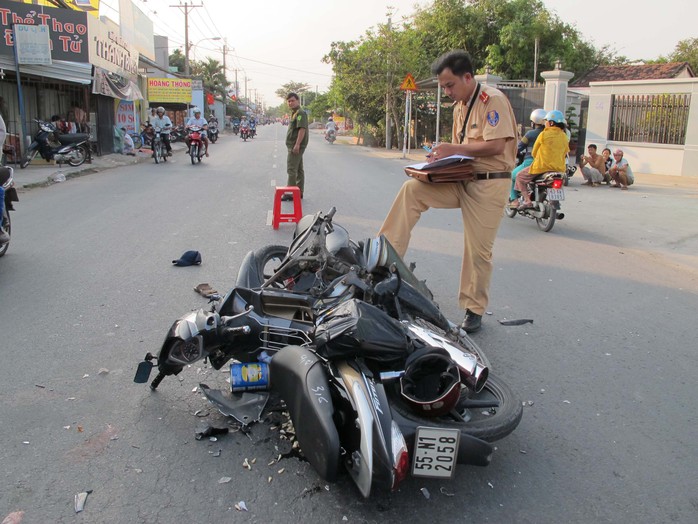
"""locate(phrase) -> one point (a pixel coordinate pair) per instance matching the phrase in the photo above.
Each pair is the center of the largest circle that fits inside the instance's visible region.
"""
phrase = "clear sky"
(272, 42)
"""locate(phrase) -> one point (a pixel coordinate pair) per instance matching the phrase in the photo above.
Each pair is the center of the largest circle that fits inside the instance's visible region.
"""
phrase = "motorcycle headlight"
(187, 351)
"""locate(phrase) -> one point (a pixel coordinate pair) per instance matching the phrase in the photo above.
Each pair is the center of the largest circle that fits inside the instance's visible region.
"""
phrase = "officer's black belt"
(492, 175)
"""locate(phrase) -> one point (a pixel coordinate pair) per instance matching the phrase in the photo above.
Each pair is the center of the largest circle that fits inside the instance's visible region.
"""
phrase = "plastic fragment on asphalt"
(489, 313)
(268, 480)
(85, 375)
(209, 431)
(80, 500)
(66, 427)
(103, 371)
(566, 402)
(224, 480)
(344, 518)
(444, 491)
(26, 442)
(516, 322)
(253, 461)
(490, 485)
(217, 453)
(426, 493)
(281, 471)
(241, 506)
(522, 451)
(246, 464)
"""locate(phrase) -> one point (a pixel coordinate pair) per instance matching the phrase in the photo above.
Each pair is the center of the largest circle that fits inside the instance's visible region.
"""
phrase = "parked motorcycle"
(213, 132)
(73, 148)
(244, 131)
(376, 380)
(196, 144)
(546, 194)
(159, 148)
(8, 184)
(331, 135)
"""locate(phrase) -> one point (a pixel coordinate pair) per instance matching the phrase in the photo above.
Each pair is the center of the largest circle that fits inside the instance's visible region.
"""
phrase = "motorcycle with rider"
(196, 136)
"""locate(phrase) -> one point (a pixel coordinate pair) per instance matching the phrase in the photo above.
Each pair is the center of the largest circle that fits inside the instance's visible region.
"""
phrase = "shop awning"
(74, 72)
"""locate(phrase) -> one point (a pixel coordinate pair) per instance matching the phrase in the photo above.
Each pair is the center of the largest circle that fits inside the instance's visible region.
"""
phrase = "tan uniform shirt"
(492, 117)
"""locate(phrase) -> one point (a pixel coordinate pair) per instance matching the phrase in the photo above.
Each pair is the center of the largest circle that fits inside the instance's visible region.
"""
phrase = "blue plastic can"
(249, 376)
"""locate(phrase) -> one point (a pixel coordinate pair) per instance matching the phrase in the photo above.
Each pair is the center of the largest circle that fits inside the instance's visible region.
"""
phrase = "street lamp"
(188, 46)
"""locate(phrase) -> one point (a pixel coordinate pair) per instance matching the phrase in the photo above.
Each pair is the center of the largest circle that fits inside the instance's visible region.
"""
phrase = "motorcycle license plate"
(556, 194)
(435, 452)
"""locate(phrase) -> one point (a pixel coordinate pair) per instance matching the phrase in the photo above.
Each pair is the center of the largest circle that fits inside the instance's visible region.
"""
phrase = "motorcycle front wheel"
(194, 153)
(27, 160)
(486, 423)
(157, 152)
(81, 154)
(268, 259)
(547, 223)
(7, 226)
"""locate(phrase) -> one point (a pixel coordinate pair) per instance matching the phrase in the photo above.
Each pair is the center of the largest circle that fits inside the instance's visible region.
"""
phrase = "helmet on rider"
(431, 383)
(538, 116)
(330, 119)
(555, 116)
(160, 110)
(196, 111)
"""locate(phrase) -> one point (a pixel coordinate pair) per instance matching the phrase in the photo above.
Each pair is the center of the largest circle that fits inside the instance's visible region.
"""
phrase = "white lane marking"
(270, 216)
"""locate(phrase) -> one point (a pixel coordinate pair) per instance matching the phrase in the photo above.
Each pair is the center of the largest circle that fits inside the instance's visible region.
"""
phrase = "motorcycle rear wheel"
(137, 141)
(546, 224)
(511, 213)
(81, 155)
(489, 424)
(7, 225)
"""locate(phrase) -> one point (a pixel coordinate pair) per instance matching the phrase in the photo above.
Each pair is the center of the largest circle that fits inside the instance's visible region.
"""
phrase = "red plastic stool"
(278, 216)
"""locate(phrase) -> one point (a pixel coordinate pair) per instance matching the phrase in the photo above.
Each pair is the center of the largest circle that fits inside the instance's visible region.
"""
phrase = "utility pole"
(225, 79)
(388, 133)
(186, 8)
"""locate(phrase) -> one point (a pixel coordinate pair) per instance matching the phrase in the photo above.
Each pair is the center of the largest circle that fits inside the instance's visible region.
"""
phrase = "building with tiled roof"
(616, 73)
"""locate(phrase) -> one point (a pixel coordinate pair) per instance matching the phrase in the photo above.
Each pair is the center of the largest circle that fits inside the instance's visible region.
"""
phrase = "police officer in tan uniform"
(484, 127)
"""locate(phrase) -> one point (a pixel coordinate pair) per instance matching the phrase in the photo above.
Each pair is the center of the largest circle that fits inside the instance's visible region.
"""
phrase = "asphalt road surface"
(606, 370)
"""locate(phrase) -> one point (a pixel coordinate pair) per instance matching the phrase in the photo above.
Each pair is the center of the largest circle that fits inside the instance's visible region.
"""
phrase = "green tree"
(292, 87)
(212, 75)
(686, 51)
(177, 60)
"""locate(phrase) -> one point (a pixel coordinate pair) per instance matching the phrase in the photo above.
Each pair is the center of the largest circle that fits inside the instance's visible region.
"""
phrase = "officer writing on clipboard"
(484, 127)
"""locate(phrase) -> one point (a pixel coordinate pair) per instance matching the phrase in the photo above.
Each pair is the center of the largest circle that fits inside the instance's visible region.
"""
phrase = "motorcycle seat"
(71, 138)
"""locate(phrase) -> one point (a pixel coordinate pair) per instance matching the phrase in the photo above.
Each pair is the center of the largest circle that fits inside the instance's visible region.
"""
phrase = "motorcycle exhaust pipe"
(560, 216)
(472, 373)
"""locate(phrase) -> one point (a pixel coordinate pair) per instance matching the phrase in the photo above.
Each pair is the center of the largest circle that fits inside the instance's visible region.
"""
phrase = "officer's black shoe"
(472, 322)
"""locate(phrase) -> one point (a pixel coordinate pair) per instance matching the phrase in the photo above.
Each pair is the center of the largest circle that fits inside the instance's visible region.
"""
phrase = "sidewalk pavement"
(41, 173)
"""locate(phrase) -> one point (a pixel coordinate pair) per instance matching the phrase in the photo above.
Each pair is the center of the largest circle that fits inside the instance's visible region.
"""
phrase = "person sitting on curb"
(549, 154)
(593, 167)
(620, 171)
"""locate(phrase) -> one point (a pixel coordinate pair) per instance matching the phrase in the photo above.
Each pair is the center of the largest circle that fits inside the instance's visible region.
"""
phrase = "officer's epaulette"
(484, 97)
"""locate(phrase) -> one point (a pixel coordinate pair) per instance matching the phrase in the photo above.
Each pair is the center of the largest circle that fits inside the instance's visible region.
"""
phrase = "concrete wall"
(655, 159)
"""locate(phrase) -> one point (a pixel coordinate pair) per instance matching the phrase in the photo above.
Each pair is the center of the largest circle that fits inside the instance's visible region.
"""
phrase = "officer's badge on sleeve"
(493, 118)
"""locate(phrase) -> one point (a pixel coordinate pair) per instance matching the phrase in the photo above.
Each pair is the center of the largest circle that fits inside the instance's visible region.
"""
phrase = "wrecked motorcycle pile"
(376, 380)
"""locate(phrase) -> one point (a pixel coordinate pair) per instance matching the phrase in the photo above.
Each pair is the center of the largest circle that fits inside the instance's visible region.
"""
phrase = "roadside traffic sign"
(408, 84)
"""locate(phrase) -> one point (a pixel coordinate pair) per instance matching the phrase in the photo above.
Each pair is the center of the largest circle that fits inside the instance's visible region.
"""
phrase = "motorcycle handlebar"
(231, 332)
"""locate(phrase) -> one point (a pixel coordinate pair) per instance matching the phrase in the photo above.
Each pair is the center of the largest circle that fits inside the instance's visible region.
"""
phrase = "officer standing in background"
(296, 142)
(484, 127)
